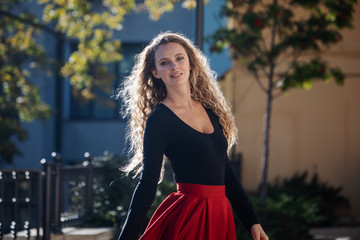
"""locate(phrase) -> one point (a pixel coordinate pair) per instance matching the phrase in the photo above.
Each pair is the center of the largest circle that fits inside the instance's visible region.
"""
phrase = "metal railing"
(20, 201)
(47, 200)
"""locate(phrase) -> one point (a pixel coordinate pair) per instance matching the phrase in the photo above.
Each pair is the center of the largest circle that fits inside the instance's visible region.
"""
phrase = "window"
(103, 107)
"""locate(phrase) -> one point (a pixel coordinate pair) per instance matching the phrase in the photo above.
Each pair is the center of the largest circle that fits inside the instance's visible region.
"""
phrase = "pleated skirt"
(194, 212)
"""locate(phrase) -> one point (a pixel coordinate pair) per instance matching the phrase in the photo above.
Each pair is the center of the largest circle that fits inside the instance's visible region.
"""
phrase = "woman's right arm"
(144, 193)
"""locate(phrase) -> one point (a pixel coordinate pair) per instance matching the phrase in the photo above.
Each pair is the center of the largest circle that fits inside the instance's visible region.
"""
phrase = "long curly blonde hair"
(142, 92)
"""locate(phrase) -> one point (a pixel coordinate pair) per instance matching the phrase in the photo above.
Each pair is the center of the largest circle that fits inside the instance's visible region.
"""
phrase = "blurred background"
(289, 70)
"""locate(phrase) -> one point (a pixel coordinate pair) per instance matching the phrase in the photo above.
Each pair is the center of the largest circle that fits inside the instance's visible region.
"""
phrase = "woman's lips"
(175, 75)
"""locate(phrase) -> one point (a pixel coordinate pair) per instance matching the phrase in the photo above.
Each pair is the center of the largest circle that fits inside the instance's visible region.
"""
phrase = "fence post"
(40, 210)
(2, 218)
(28, 201)
(14, 223)
(47, 213)
(56, 228)
(89, 183)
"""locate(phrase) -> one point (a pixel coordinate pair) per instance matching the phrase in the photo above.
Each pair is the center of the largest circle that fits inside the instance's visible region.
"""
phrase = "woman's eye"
(163, 63)
(180, 58)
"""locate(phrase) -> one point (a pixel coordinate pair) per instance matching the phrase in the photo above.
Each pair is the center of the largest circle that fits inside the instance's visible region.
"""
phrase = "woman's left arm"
(238, 199)
(258, 233)
(242, 205)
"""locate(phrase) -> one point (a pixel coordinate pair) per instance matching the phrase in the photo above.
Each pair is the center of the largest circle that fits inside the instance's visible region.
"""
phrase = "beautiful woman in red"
(176, 109)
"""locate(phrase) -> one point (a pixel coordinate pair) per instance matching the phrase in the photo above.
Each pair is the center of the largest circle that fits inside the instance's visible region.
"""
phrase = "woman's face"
(172, 65)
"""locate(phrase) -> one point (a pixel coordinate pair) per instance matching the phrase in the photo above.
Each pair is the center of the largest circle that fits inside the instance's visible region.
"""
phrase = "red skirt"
(194, 212)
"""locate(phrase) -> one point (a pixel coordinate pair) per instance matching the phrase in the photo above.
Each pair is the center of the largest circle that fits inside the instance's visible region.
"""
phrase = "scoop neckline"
(187, 125)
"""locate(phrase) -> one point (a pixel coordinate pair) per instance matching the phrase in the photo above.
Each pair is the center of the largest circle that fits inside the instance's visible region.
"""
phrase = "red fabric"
(194, 212)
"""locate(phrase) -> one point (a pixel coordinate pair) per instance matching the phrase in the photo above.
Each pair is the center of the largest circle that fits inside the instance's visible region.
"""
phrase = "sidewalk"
(339, 233)
(71, 233)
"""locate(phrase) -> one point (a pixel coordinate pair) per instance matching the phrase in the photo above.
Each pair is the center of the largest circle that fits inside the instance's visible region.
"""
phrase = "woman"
(176, 109)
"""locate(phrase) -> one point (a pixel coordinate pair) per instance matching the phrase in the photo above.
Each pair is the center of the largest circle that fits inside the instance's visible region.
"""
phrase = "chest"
(197, 119)
(187, 142)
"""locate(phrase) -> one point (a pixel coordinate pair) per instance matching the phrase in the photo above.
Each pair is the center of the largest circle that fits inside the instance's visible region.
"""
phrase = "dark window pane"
(103, 107)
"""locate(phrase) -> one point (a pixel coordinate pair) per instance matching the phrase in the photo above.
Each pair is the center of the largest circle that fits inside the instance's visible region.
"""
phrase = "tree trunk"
(265, 156)
(269, 95)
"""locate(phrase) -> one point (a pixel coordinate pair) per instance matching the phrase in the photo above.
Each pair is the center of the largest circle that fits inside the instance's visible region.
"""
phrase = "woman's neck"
(179, 98)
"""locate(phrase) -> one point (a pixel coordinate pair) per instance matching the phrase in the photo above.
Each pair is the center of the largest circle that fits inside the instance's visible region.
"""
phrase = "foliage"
(90, 24)
(19, 98)
(113, 197)
(295, 205)
(267, 33)
(280, 43)
(329, 198)
(165, 188)
(157, 8)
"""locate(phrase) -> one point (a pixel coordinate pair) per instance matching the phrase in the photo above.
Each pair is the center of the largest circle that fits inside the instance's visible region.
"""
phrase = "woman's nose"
(173, 65)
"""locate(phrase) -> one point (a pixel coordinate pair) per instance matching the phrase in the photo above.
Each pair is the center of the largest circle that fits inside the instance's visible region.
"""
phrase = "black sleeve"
(144, 193)
(238, 199)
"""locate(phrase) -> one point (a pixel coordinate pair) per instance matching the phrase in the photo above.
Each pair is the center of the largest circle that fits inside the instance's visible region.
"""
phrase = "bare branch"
(264, 44)
(295, 58)
(28, 21)
(256, 55)
(285, 58)
(265, 72)
(258, 81)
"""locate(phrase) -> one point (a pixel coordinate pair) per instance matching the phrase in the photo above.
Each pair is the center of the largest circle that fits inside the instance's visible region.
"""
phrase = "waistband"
(201, 190)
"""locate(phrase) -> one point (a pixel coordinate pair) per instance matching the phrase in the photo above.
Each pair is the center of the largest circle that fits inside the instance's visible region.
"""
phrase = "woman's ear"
(154, 72)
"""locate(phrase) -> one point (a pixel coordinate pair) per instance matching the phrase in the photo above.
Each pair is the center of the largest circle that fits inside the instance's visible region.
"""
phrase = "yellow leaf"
(307, 85)
(7, 77)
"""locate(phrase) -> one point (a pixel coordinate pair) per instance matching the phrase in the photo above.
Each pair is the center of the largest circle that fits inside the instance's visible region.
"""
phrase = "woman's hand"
(258, 233)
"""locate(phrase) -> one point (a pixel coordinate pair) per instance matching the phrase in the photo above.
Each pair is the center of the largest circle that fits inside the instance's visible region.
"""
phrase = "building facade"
(316, 130)
(97, 126)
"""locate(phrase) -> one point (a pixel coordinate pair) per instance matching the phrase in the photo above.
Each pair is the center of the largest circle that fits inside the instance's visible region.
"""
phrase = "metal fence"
(43, 201)
(20, 201)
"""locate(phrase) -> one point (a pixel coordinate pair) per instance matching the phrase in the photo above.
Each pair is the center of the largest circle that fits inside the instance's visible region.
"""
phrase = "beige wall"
(316, 130)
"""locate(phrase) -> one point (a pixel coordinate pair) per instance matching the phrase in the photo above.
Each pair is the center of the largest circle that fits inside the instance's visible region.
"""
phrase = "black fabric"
(195, 157)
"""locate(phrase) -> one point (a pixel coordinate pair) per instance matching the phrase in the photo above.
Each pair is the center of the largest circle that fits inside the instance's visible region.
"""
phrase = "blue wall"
(98, 136)
(212, 21)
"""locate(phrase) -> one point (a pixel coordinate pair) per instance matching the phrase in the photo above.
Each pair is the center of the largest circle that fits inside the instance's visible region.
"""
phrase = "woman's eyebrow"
(174, 55)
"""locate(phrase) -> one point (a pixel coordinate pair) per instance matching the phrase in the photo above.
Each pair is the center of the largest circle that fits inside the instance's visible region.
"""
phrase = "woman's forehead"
(170, 49)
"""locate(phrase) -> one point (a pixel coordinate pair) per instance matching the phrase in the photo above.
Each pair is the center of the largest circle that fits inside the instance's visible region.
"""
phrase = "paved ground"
(72, 233)
(339, 233)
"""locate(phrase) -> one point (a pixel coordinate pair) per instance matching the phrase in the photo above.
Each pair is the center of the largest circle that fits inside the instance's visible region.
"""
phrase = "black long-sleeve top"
(195, 157)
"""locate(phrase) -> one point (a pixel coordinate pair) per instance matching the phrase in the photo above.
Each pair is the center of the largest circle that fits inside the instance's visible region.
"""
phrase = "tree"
(90, 23)
(272, 37)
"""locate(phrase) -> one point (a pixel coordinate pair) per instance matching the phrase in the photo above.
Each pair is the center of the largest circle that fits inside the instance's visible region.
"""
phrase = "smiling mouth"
(176, 75)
